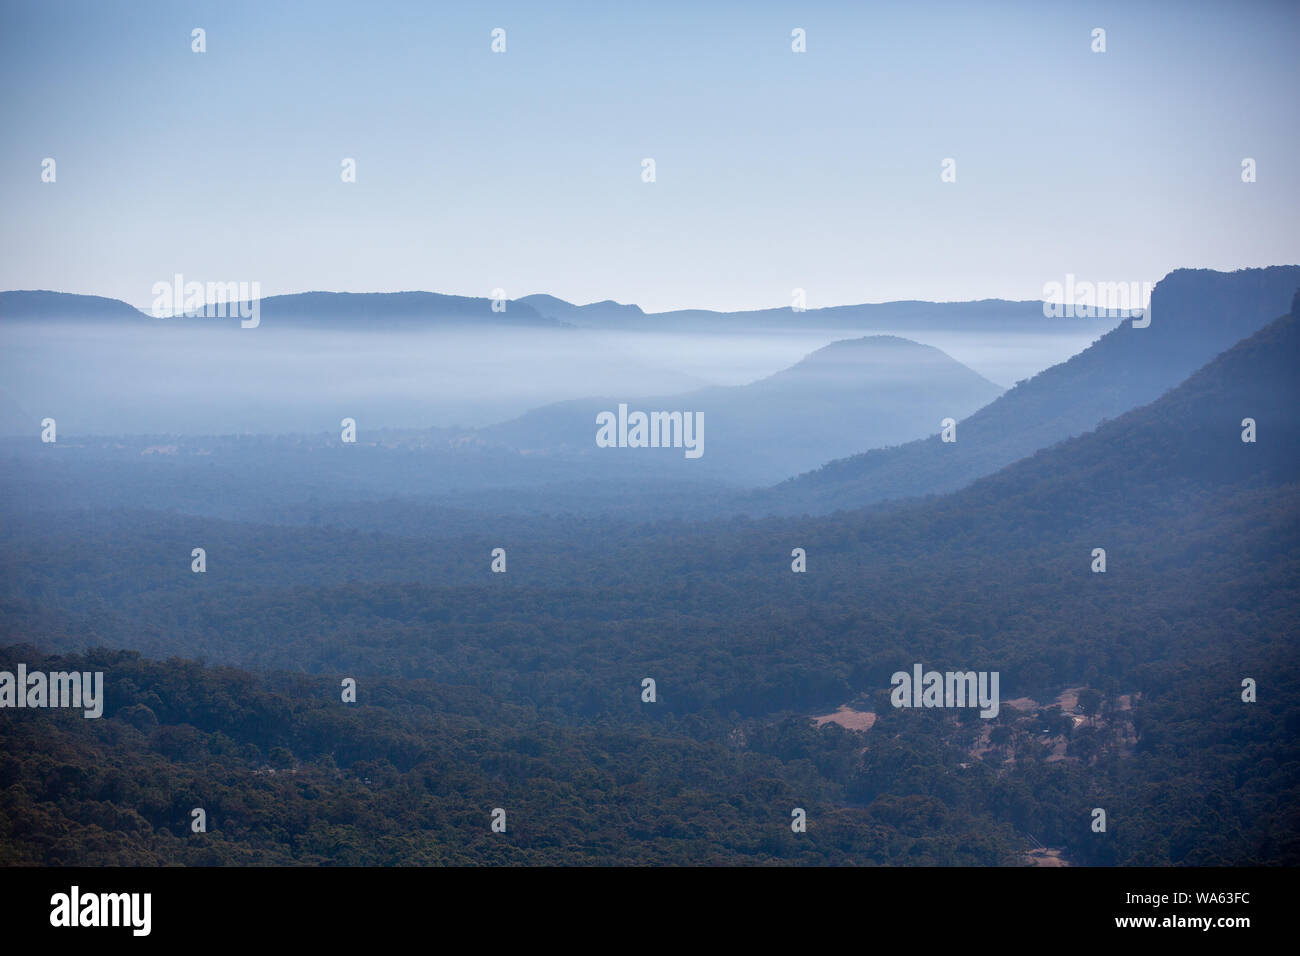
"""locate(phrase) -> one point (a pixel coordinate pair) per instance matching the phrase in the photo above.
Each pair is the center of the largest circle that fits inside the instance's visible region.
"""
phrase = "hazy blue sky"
(523, 170)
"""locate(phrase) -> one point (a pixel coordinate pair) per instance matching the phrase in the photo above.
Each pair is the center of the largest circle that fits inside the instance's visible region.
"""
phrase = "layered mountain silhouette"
(879, 392)
(1195, 314)
(365, 310)
(875, 390)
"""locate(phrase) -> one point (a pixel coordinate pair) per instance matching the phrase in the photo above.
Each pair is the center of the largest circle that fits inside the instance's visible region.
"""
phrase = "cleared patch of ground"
(848, 718)
(1022, 703)
(1044, 857)
(1068, 699)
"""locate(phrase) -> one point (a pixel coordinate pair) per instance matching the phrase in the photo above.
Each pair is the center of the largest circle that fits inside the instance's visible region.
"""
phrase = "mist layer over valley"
(117, 373)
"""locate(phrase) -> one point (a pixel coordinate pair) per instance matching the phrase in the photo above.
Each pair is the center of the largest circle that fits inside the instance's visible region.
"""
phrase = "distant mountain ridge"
(405, 309)
(371, 310)
(901, 316)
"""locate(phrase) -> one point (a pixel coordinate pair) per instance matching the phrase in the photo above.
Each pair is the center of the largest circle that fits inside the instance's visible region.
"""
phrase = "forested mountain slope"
(1195, 315)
